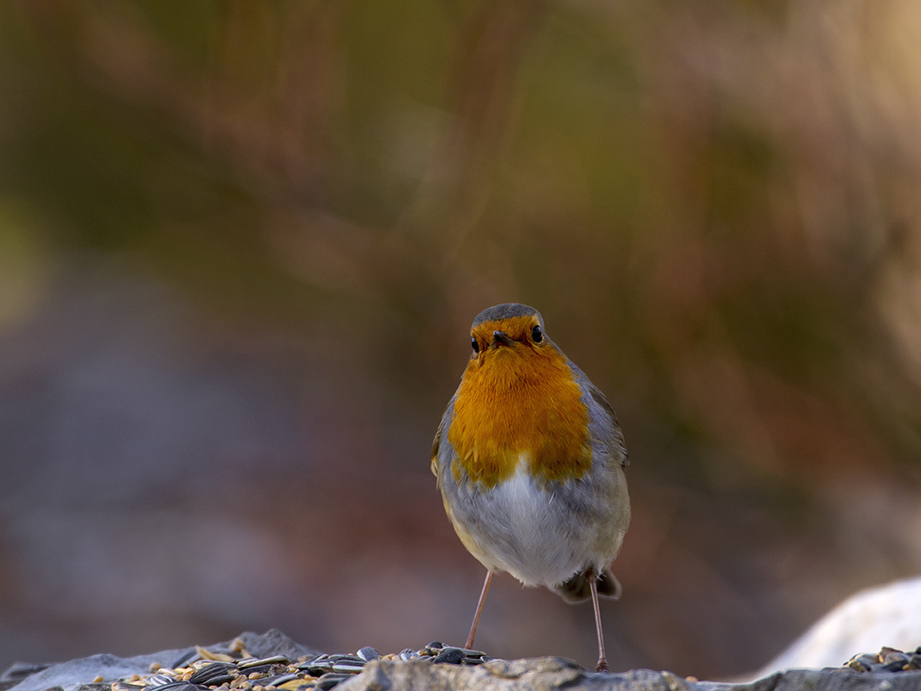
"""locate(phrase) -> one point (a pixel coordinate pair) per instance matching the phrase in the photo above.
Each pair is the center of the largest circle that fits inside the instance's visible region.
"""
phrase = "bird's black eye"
(536, 334)
(474, 344)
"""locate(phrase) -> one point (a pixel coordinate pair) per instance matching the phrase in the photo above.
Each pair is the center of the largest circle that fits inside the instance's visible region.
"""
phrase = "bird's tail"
(577, 588)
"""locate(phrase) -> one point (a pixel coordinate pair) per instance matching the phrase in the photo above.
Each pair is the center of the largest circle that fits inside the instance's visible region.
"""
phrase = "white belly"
(530, 533)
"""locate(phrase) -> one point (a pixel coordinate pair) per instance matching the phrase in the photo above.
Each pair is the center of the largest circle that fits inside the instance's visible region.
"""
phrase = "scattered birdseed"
(886, 660)
(234, 669)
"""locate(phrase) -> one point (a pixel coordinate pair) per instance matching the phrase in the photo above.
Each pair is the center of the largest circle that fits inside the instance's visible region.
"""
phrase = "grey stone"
(78, 675)
(550, 673)
(273, 642)
(537, 674)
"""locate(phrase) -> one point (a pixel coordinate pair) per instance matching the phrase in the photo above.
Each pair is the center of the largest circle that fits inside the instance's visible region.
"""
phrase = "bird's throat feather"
(515, 406)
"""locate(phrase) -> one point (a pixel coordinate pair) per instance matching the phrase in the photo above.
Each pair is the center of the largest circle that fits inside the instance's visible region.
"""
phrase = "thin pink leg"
(602, 665)
(479, 609)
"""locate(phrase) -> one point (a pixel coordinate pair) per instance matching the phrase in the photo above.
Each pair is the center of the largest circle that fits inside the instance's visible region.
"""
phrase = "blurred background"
(241, 245)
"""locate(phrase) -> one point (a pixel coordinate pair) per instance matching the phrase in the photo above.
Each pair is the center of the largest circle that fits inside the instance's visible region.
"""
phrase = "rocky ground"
(273, 662)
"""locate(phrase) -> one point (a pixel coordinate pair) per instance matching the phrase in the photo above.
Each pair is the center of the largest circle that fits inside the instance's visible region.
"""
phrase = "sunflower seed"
(180, 686)
(451, 656)
(213, 674)
(253, 662)
(156, 680)
(278, 680)
(316, 667)
(368, 653)
(329, 681)
(185, 659)
(341, 657)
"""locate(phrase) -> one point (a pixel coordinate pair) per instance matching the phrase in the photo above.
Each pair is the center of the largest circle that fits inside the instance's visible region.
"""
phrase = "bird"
(529, 458)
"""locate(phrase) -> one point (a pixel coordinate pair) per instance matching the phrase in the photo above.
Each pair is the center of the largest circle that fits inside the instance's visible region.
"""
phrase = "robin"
(530, 462)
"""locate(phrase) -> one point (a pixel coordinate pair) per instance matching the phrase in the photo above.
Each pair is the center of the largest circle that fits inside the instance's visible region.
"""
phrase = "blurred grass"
(713, 204)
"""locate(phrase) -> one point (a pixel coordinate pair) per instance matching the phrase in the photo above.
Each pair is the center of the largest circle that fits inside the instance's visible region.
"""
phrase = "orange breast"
(519, 405)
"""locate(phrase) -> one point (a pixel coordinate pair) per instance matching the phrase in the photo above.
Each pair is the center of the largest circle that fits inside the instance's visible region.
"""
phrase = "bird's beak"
(500, 338)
